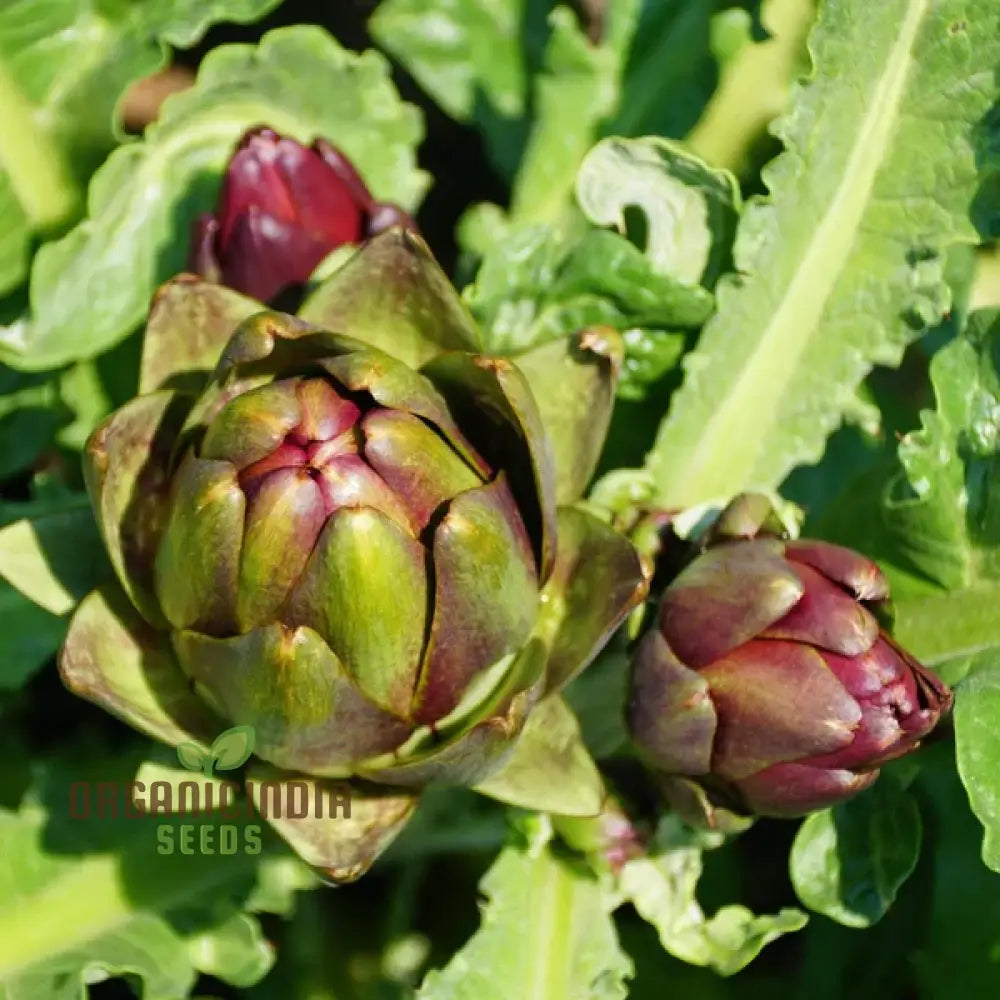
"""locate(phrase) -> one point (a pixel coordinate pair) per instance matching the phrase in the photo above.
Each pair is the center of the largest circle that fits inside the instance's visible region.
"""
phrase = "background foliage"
(789, 212)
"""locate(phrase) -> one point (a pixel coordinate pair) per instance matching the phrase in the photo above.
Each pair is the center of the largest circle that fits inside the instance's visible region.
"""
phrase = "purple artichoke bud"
(768, 679)
(283, 207)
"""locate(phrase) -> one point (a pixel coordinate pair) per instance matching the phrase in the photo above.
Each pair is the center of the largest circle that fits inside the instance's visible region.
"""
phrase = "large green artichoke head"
(346, 537)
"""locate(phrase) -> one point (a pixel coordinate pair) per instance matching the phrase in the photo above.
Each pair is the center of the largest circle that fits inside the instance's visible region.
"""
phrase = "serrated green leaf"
(142, 201)
(840, 267)
(539, 284)
(546, 932)
(939, 521)
(936, 528)
(662, 888)
(849, 862)
(64, 66)
(85, 898)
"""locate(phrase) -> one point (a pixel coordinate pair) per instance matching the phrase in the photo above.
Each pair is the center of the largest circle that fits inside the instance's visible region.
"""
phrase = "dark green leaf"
(849, 862)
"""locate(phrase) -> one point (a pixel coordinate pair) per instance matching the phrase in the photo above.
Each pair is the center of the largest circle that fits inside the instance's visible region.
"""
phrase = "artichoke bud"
(309, 505)
(282, 208)
(767, 677)
(341, 539)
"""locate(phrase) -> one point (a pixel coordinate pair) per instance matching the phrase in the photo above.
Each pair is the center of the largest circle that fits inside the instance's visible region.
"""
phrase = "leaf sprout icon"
(230, 750)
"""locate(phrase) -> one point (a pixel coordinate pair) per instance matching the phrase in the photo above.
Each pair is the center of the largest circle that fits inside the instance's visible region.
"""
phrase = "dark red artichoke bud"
(283, 207)
(768, 679)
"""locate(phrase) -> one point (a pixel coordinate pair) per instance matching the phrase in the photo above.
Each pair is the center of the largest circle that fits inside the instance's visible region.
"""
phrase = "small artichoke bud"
(282, 208)
(767, 678)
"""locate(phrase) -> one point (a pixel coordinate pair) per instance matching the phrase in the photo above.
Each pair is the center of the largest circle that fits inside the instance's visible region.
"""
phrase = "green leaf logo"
(231, 750)
(192, 756)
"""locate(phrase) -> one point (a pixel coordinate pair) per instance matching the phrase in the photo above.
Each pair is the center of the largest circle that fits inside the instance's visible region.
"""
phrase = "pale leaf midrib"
(549, 962)
(758, 390)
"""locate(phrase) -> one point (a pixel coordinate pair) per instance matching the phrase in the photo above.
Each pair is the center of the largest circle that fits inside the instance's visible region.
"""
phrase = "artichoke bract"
(767, 684)
(356, 553)
(282, 208)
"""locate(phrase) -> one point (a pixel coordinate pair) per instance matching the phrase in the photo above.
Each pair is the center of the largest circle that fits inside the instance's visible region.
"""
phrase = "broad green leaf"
(15, 238)
(50, 556)
(673, 67)
(64, 66)
(938, 532)
(143, 199)
(516, 67)
(959, 955)
(841, 265)
(56, 558)
(849, 862)
(546, 932)
(756, 70)
(662, 888)
(690, 209)
(977, 739)
(85, 898)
